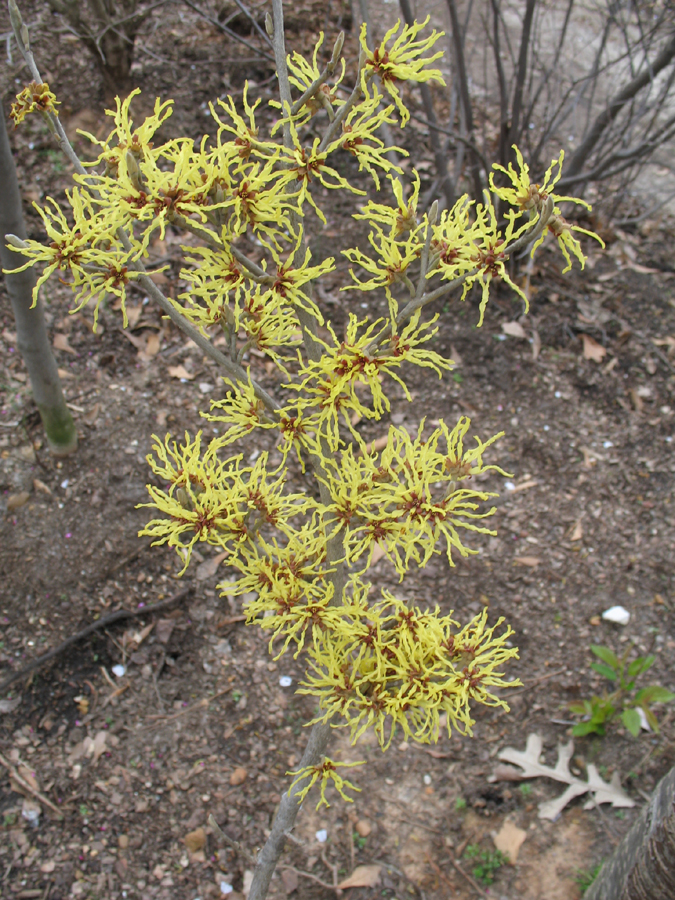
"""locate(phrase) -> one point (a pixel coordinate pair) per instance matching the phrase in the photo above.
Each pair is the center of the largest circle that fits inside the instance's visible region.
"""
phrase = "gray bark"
(643, 865)
(31, 332)
(286, 815)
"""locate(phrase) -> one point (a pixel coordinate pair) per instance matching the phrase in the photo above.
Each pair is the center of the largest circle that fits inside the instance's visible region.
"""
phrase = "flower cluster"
(395, 665)
(300, 556)
(407, 499)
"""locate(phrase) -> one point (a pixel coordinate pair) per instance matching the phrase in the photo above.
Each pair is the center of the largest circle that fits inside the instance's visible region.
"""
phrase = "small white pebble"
(322, 836)
(546, 427)
(427, 779)
(205, 387)
(509, 486)
(64, 483)
(118, 670)
(225, 888)
(607, 444)
(557, 394)
(616, 614)
(285, 681)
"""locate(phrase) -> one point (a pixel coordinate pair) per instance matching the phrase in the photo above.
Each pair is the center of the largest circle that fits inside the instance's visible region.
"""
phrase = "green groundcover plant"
(372, 661)
(625, 701)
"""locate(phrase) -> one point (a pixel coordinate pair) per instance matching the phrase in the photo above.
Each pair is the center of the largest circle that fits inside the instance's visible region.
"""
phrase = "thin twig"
(245, 854)
(228, 31)
(117, 616)
(202, 704)
(531, 684)
(456, 865)
(309, 875)
(13, 774)
(424, 263)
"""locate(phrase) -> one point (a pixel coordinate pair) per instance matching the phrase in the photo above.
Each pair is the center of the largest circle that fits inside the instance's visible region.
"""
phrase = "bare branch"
(614, 107)
(228, 31)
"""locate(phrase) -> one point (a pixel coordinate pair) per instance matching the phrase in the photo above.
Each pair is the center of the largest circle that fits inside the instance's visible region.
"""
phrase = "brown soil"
(198, 724)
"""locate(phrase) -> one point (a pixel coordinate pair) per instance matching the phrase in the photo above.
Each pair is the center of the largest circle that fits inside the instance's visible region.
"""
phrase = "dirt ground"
(200, 721)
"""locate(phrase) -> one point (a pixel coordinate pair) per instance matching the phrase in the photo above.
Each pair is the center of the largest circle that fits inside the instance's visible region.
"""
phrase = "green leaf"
(578, 709)
(640, 665)
(654, 694)
(604, 670)
(587, 728)
(631, 719)
(606, 655)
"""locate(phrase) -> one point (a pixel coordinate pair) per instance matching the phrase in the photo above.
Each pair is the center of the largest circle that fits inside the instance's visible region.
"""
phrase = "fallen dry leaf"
(8, 706)
(209, 568)
(29, 777)
(290, 880)
(247, 882)
(161, 417)
(536, 344)
(60, 342)
(180, 372)
(509, 840)
(362, 876)
(152, 345)
(195, 840)
(529, 761)
(16, 501)
(64, 373)
(164, 629)
(577, 531)
(527, 561)
(636, 400)
(134, 314)
(592, 349)
(514, 329)
(238, 776)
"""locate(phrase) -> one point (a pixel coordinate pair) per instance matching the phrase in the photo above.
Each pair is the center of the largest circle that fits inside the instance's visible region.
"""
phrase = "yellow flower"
(302, 74)
(34, 97)
(407, 500)
(402, 61)
(325, 772)
(525, 195)
(397, 220)
(489, 257)
(359, 139)
(125, 137)
(562, 230)
(246, 142)
(389, 267)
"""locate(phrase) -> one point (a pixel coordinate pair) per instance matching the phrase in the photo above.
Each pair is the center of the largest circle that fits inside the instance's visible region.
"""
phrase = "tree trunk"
(643, 865)
(32, 339)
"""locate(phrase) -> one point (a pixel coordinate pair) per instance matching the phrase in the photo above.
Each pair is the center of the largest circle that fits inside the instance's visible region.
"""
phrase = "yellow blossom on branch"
(403, 60)
(33, 98)
(326, 772)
